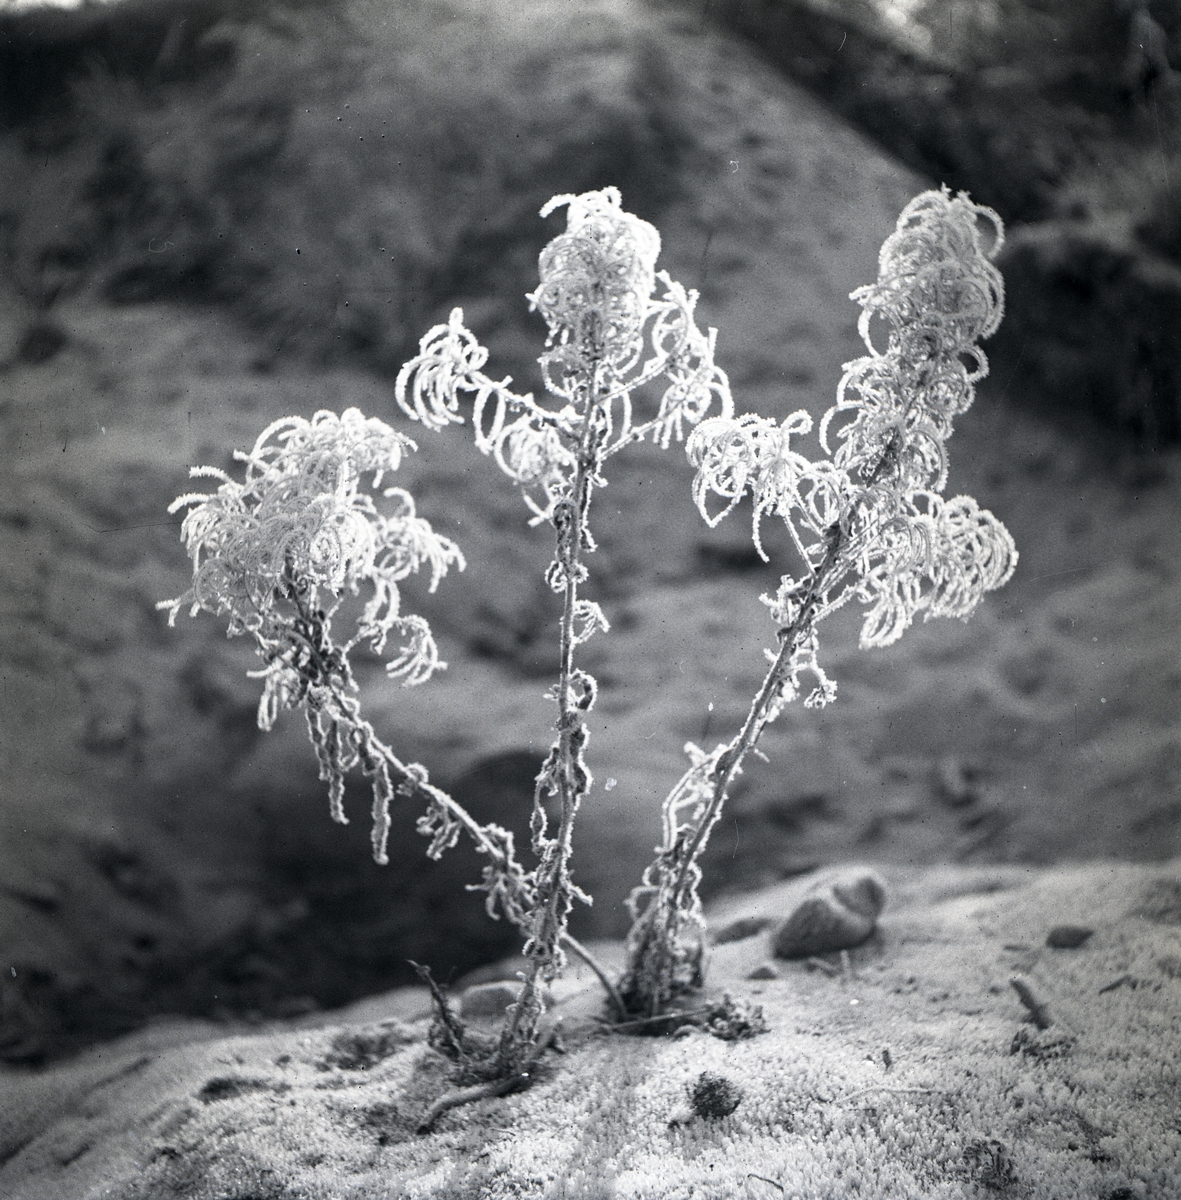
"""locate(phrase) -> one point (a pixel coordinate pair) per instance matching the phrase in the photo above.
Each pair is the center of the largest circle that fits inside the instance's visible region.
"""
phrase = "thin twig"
(447, 1019)
(894, 1091)
(673, 1016)
(589, 959)
(1037, 1008)
(515, 1081)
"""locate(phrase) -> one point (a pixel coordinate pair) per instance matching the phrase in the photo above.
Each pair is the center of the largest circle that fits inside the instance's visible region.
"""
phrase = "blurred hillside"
(243, 154)
(215, 213)
(1065, 116)
(330, 170)
(1016, 101)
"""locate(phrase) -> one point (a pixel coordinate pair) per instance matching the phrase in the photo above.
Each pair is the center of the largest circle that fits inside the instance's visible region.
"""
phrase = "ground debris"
(1039, 1013)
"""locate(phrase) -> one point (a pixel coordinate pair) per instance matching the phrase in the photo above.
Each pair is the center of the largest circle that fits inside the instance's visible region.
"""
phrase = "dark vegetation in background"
(1064, 115)
(1007, 101)
(340, 171)
(153, 41)
(334, 171)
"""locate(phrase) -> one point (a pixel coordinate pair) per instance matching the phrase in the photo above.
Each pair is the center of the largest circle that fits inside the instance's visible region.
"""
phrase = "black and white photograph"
(591, 599)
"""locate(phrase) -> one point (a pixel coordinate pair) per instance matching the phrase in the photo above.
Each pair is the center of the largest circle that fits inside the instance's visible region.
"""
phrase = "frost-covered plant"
(869, 523)
(608, 336)
(279, 553)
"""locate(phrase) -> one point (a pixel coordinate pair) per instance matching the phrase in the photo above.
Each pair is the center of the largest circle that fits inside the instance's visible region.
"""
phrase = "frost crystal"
(278, 553)
(596, 287)
(596, 280)
(870, 522)
(301, 522)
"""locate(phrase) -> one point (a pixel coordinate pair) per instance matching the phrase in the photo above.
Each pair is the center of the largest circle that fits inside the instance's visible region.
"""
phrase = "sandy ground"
(911, 1068)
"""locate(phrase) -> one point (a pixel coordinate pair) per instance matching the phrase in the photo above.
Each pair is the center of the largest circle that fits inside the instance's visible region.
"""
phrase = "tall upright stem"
(658, 940)
(554, 891)
(730, 760)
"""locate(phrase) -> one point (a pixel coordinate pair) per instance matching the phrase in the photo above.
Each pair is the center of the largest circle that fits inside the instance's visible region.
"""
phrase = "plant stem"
(667, 904)
(665, 908)
(588, 958)
(373, 751)
(553, 884)
(729, 762)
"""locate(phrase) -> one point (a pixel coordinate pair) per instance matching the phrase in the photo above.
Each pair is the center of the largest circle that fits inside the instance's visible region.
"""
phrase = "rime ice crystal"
(279, 551)
(596, 294)
(302, 519)
(596, 280)
(905, 549)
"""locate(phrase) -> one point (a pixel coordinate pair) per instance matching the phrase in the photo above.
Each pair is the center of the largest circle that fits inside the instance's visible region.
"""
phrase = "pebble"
(489, 1000)
(840, 912)
(1067, 937)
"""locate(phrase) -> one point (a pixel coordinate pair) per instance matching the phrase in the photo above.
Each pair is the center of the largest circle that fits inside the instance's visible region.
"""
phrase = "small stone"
(488, 1000)
(1067, 937)
(865, 895)
(766, 971)
(840, 913)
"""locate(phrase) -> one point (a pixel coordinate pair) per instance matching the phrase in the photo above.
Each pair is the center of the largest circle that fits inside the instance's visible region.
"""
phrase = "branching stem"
(668, 905)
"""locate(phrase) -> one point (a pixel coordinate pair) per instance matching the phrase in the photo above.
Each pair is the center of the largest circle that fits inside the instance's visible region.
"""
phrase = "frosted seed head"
(304, 522)
(936, 286)
(597, 278)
